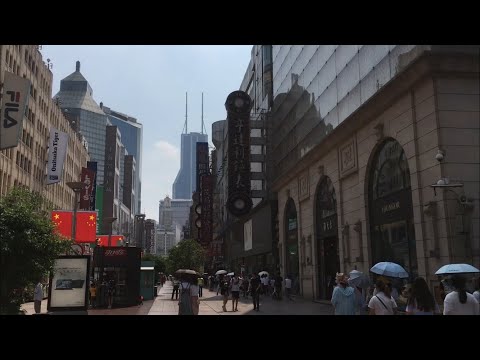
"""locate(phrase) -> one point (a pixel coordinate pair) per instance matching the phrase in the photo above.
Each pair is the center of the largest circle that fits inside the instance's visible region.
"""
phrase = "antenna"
(186, 111)
(202, 113)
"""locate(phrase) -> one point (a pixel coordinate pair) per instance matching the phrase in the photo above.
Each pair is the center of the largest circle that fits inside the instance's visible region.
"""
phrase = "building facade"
(185, 182)
(25, 163)
(173, 213)
(151, 236)
(360, 135)
(132, 135)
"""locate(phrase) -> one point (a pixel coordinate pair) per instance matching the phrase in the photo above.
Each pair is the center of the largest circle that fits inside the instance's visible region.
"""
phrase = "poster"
(57, 150)
(69, 284)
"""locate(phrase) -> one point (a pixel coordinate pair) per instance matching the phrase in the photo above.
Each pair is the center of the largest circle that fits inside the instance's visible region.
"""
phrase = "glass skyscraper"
(185, 182)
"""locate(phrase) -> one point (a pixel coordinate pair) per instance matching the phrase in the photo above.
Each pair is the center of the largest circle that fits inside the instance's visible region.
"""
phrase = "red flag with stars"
(86, 226)
(63, 222)
(116, 240)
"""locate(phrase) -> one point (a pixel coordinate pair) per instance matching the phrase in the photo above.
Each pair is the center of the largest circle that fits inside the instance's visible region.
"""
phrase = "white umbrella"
(221, 272)
(230, 274)
(262, 273)
(389, 269)
(457, 269)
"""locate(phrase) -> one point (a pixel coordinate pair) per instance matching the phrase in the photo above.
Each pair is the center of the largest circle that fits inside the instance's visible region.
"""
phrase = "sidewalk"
(211, 304)
(131, 310)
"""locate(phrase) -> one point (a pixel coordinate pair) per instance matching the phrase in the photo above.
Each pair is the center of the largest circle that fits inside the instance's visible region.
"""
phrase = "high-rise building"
(173, 214)
(132, 133)
(76, 101)
(185, 182)
(25, 163)
(150, 236)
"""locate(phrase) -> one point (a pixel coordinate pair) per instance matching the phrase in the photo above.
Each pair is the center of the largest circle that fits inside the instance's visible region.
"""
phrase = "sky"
(149, 82)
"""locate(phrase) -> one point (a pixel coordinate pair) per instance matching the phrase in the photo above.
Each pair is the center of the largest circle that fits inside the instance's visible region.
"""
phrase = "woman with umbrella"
(382, 302)
(421, 301)
(188, 304)
(459, 301)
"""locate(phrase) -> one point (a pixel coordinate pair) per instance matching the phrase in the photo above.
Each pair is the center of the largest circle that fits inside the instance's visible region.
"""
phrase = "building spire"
(77, 67)
(202, 113)
(186, 112)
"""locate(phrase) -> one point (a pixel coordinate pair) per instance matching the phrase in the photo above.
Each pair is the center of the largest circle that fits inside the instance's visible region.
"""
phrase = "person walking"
(420, 300)
(343, 297)
(235, 287)
(93, 295)
(224, 287)
(255, 288)
(38, 297)
(200, 286)
(176, 287)
(187, 292)
(382, 303)
(111, 292)
(459, 301)
(288, 287)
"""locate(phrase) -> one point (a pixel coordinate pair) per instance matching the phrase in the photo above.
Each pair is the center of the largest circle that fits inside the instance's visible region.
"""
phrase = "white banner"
(57, 150)
(15, 98)
(247, 235)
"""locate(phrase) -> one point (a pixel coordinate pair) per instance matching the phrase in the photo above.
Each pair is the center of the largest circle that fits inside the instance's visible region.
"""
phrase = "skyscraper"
(185, 182)
(132, 133)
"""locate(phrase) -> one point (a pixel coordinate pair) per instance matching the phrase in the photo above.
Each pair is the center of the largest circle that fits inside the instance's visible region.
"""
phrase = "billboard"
(57, 150)
(92, 165)
(206, 215)
(69, 285)
(202, 162)
(15, 98)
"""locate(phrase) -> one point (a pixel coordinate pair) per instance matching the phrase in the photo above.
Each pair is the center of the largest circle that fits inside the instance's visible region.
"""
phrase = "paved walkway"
(211, 304)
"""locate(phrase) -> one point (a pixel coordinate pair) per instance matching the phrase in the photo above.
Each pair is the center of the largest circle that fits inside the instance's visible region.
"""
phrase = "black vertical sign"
(92, 165)
(202, 162)
(238, 107)
(206, 216)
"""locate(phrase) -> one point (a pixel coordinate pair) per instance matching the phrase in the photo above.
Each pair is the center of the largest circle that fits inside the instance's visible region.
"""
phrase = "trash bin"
(155, 289)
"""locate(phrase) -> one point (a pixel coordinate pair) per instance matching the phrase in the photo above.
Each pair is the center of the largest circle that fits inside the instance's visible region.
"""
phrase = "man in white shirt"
(38, 297)
(288, 287)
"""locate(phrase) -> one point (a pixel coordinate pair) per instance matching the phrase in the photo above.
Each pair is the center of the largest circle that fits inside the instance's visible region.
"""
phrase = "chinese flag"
(63, 221)
(86, 226)
(115, 240)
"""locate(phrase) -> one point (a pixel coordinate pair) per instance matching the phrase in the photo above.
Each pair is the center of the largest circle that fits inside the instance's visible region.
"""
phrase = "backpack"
(185, 303)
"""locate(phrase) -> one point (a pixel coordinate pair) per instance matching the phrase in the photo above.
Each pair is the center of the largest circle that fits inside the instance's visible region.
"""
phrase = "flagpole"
(76, 186)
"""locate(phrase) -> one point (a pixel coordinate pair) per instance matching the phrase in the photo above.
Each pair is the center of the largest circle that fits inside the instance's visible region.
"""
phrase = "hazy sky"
(149, 83)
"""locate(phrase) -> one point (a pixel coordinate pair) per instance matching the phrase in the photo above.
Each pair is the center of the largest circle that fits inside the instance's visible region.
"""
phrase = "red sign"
(88, 180)
(115, 240)
(116, 252)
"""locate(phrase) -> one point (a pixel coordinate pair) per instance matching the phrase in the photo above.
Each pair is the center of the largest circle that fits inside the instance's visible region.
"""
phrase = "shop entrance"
(291, 242)
(328, 259)
(390, 208)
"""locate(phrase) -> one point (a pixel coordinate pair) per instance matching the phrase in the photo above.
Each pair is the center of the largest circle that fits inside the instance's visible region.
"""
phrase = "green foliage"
(160, 264)
(28, 244)
(188, 254)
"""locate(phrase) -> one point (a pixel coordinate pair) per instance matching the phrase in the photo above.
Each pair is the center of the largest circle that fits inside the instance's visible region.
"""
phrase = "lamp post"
(165, 244)
(76, 186)
(109, 220)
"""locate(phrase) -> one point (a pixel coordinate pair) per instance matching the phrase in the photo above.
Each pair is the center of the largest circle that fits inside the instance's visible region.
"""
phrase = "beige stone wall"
(435, 113)
(42, 114)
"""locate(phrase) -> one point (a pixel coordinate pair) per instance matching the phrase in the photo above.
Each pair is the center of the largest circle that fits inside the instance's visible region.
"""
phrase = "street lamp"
(76, 186)
(109, 220)
(165, 248)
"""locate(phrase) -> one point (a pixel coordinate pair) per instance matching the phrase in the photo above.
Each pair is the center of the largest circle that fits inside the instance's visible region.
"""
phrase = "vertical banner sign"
(238, 107)
(15, 99)
(87, 178)
(92, 165)
(202, 162)
(57, 150)
(206, 216)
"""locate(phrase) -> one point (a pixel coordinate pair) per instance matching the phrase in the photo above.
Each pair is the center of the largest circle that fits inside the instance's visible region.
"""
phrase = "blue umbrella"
(457, 269)
(389, 269)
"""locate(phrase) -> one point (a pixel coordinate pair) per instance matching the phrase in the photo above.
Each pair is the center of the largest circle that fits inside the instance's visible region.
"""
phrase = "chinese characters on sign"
(88, 180)
(206, 199)
(238, 107)
(202, 161)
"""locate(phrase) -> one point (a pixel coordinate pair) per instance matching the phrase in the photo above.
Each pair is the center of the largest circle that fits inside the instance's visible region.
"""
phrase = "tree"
(188, 254)
(160, 264)
(28, 244)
